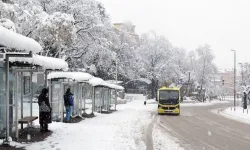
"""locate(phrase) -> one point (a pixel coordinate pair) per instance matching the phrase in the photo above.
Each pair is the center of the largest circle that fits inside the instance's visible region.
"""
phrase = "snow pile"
(77, 76)
(237, 115)
(136, 96)
(45, 62)
(13, 144)
(11, 39)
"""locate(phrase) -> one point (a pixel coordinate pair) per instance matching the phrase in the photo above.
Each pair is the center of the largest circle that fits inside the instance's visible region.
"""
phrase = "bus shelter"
(17, 75)
(104, 95)
(27, 85)
(59, 82)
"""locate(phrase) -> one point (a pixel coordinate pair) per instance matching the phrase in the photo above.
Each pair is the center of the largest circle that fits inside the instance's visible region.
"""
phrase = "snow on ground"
(237, 115)
(135, 96)
(124, 129)
(206, 103)
(163, 141)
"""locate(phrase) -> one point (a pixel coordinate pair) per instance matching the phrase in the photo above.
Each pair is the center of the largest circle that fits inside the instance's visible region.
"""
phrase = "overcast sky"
(223, 24)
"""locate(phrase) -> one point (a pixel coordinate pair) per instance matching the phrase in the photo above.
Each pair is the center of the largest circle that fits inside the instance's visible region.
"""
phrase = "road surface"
(198, 128)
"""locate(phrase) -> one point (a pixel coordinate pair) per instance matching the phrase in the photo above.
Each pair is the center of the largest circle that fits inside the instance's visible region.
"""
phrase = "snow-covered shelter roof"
(100, 82)
(17, 41)
(96, 81)
(113, 86)
(77, 76)
(45, 62)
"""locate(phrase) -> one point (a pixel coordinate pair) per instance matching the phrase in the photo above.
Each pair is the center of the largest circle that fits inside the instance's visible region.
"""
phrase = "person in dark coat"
(44, 110)
(68, 103)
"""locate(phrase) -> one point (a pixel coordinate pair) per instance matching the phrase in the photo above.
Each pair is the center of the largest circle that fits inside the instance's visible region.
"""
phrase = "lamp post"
(234, 77)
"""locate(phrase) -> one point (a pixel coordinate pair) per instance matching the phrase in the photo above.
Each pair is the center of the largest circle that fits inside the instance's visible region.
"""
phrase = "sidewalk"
(237, 115)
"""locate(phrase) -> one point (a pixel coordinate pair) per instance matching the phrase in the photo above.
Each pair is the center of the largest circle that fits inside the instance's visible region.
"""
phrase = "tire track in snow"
(148, 136)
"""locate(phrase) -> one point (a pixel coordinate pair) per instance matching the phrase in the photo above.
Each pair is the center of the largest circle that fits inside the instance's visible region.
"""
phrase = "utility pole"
(234, 78)
(189, 83)
(116, 73)
(242, 75)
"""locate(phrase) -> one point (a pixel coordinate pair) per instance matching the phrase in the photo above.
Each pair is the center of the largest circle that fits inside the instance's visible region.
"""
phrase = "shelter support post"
(31, 95)
(16, 105)
(93, 99)
(115, 98)
(7, 91)
(22, 90)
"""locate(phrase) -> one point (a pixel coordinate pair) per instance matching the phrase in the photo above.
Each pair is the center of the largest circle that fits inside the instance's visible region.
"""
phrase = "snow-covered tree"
(155, 52)
(204, 66)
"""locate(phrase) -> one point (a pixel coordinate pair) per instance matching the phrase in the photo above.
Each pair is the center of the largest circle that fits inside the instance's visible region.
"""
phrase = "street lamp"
(234, 77)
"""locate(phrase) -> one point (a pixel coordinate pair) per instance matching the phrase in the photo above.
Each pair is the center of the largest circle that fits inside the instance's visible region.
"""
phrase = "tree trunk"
(154, 87)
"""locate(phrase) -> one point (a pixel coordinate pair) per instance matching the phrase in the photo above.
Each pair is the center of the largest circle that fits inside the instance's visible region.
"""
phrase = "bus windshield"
(169, 97)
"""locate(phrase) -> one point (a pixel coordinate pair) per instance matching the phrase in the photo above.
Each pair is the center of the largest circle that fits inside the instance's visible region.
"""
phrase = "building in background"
(129, 28)
(227, 80)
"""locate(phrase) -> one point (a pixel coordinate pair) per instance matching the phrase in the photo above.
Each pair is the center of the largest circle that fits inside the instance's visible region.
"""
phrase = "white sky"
(223, 24)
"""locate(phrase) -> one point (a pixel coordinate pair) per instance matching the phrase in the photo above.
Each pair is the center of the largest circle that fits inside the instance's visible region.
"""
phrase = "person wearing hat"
(68, 103)
(44, 110)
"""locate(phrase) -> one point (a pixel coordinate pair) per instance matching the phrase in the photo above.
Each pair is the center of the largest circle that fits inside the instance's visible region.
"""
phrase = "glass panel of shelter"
(98, 99)
(58, 89)
(105, 99)
(87, 96)
(22, 102)
(112, 99)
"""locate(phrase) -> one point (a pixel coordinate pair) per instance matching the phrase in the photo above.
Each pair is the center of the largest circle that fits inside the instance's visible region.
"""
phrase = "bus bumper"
(166, 111)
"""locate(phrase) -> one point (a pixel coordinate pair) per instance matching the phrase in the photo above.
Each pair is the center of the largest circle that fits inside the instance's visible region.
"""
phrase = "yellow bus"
(168, 100)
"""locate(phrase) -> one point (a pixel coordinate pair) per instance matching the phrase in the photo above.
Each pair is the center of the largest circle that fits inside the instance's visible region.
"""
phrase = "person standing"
(44, 110)
(68, 103)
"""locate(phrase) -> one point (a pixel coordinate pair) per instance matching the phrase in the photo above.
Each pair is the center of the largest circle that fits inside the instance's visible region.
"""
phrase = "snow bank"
(206, 103)
(11, 39)
(45, 62)
(237, 115)
(78, 76)
(135, 96)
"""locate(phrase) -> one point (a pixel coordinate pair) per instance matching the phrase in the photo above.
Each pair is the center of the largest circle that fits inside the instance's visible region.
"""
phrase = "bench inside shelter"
(27, 120)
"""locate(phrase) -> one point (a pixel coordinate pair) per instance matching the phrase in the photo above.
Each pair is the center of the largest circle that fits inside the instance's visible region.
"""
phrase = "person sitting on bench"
(44, 111)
